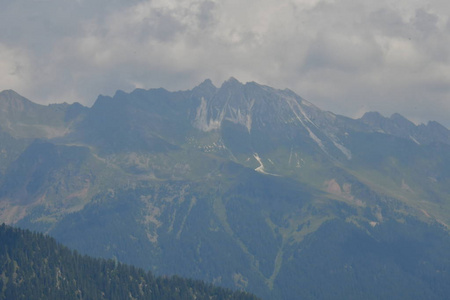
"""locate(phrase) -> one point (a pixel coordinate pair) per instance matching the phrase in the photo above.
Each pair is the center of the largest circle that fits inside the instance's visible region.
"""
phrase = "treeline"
(34, 266)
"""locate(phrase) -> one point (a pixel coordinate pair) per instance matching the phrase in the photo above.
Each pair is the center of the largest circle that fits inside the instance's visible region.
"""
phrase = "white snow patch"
(248, 124)
(260, 169)
(344, 150)
(414, 140)
(316, 139)
(298, 165)
(238, 116)
(304, 102)
(201, 119)
(373, 223)
(290, 157)
(261, 166)
(291, 102)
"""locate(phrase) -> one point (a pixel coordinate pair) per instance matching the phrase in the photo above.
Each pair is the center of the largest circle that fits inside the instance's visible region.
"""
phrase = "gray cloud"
(347, 56)
(425, 22)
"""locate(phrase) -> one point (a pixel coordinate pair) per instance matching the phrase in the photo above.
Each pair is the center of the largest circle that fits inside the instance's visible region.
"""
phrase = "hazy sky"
(347, 56)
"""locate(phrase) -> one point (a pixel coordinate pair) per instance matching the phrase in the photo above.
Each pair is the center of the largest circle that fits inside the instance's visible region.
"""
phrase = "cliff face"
(242, 185)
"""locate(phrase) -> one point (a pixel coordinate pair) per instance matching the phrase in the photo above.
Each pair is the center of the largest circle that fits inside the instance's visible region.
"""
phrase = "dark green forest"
(35, 266)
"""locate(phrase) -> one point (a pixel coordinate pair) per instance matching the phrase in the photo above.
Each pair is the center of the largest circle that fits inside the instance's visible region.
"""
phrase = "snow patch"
(316, 139)
(201, 119)
(248, 124)
(343, 149)
(298, 165)
(291, 102)
(290, 157)
(304, 102)
(261, 166)
(373, 223)
(425, 213)
(241, 116)
(260, 169)
(414, 140)
(294, 104)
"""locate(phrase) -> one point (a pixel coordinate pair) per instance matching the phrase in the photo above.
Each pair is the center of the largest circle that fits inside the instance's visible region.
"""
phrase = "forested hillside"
(34, 266)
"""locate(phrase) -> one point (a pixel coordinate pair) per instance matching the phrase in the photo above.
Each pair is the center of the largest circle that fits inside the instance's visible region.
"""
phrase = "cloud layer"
(346, 56)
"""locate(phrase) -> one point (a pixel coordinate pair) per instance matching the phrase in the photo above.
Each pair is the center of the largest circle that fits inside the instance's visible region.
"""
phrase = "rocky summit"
(244, 186)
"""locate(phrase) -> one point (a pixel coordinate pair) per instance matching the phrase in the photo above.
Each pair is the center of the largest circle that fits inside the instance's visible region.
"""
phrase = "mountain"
(399, 126)
(34, 266)
(242, 185)
(22, 118)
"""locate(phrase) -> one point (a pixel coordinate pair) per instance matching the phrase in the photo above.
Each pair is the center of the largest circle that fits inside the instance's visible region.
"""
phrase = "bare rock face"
(24, 119)
(243, 185)
(399, 126)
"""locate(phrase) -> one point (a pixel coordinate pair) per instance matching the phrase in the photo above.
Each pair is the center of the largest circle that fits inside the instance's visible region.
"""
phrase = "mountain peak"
(397, 116)
(371, 116)
(120, 94)
(206, 86)
(207, 83)
(9, 93)
(13, 102)
(232, 79)
(374, 119)
(231, 82)
(401, 121)
(436, 125)
(206, 89)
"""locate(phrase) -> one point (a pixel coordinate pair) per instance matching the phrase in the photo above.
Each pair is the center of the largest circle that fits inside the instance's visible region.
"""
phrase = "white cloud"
(347, 56)
(14, 67)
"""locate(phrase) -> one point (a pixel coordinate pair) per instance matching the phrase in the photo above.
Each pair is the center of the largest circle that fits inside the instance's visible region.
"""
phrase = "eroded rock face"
(242, 185)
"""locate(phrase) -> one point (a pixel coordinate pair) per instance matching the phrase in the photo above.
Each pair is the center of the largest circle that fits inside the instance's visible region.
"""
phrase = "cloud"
(14, 67)
(347, 56)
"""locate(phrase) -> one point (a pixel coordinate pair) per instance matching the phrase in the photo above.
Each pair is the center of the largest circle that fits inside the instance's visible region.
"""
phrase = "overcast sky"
(345, 56)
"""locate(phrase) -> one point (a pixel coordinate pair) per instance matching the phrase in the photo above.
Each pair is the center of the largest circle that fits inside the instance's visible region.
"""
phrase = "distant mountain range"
(244, 186)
